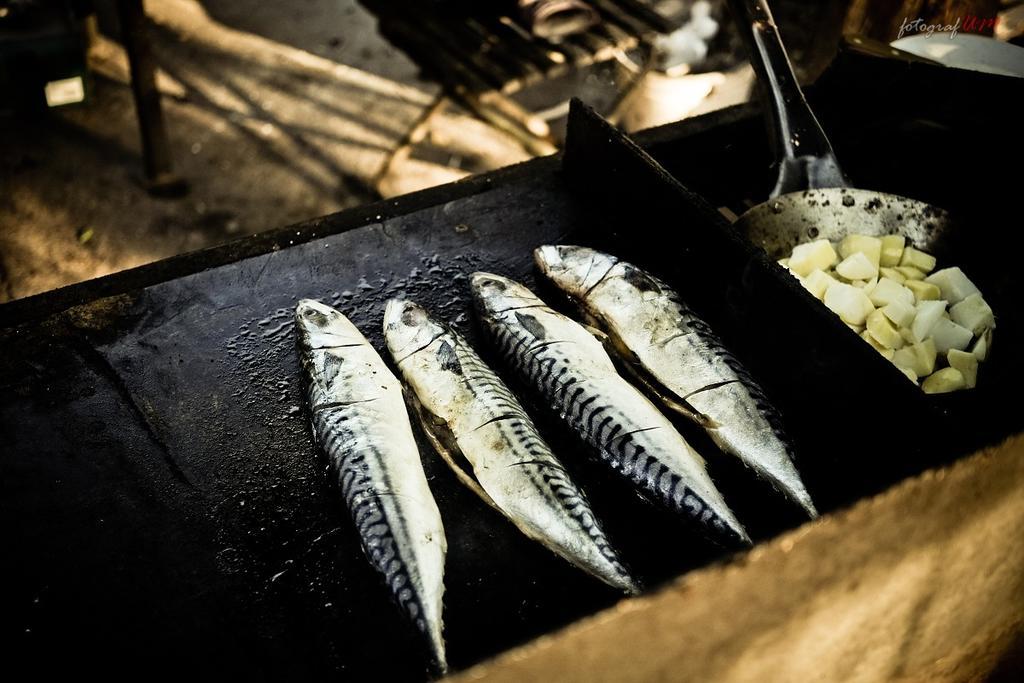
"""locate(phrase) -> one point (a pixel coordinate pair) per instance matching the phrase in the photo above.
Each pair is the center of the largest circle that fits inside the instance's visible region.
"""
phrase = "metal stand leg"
(160, 177)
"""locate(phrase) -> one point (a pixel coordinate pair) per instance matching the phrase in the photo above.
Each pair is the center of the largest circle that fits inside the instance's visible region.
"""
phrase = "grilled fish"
(473, 418)
(360, 420)
(679, 357)
(561, 360)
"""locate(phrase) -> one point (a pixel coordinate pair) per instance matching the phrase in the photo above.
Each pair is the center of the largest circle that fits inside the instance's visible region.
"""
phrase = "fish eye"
(412, 315)
(315, 317)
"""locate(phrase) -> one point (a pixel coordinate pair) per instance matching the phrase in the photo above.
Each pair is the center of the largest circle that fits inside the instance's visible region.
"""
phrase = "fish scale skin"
(576, 377)
(682, 354)
(510, 460)
(360, 421)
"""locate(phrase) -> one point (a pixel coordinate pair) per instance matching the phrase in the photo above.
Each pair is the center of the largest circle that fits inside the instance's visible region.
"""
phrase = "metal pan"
(812, 198)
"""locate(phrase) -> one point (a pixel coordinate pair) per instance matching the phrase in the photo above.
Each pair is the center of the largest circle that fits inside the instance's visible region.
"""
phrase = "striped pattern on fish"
(484, 425)
(571, 370)
(679, 357)
(360, 421)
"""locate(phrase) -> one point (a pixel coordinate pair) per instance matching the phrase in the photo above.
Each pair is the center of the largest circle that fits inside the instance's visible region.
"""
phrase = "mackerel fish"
(360, 421)
(679, 358)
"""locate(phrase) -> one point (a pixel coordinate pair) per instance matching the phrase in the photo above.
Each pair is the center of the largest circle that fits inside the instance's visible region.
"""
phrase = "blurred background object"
(42, 60)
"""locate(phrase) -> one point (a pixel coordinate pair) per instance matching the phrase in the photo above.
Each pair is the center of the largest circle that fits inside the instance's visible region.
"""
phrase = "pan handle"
(802, 151)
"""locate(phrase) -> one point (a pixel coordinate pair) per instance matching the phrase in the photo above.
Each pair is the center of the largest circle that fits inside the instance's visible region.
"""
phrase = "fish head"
(494, 294)
(322, 327)
(574, 270)
(407, 327)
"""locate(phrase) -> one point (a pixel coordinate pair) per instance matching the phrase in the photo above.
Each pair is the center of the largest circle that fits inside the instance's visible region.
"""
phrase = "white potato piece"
(857, 266)
(900, 313)
(948, 335)
(954, 285)
(929, 313)
(918, 357)
(818, 255)
(967, 364)
(944, 381)
(887, 353)
(910, 272)
(892, 250)
(923, 291)
(817, 283)
(887, 291)
(915, 258)
(870, 247)
(892, 274)
(981, 346)
(882, 330)
(850, 303)
(973, 313)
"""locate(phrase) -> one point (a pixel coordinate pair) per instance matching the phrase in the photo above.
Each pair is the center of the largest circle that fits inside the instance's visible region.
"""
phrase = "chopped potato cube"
(916, 258)
(784, 262)
(928, 315)
(967, 364)
(857, 266)
(883, 331)
(871, 247)
(911, 273)
(892, 274)
(900, 313)
(948, 335)
(817, 282)
(955, 286)
(866, 336)
(907, 334)
(923, 291)
(944, 381)
(973, 313)
(892, 250)
(980, 348)
(918, 357)
(886, 353)
(887, 291)
(814, 255)
(850, 303)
